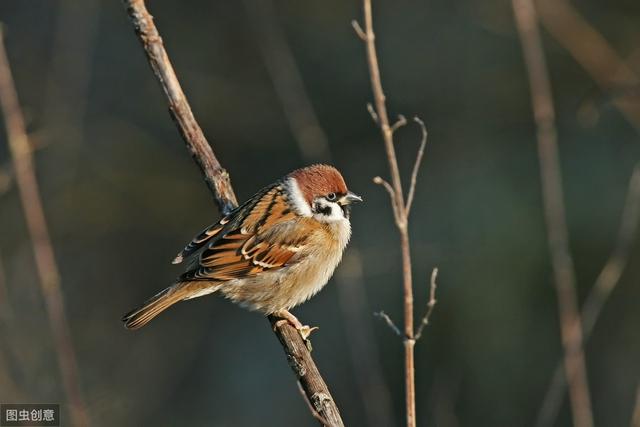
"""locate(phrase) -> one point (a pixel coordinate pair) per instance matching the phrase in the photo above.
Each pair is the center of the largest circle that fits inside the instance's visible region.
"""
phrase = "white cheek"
(297, 199)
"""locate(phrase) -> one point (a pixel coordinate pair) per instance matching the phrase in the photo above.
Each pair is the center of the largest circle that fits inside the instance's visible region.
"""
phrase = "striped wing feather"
(256, 237)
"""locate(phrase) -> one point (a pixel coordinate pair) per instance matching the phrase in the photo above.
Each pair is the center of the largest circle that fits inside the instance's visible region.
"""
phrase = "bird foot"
(304, 330)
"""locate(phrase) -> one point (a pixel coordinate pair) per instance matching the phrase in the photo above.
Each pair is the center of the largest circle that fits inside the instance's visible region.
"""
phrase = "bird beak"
(349, 198)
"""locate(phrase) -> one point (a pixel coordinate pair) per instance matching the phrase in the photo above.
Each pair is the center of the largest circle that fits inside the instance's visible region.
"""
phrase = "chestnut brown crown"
(319, 180)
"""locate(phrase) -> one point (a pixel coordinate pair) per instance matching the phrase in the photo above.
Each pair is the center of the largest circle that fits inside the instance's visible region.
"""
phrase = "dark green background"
(122, 196)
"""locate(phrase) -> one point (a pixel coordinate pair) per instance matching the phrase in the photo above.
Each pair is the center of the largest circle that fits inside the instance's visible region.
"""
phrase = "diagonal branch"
(605, 283)
(390, 323)
(215, 176)
(554, 212)
(615, 265)
(217, 179)
(46, 266)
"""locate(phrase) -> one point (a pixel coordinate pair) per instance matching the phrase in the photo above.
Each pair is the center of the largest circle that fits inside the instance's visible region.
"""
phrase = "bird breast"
(296, 283)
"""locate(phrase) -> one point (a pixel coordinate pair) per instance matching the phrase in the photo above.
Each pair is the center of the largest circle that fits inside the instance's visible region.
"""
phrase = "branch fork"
(401, 209)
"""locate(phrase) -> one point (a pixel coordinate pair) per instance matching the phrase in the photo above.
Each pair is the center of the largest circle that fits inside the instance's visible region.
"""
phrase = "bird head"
(320, 191)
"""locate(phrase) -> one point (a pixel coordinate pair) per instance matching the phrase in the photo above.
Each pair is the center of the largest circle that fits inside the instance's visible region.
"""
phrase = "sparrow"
(270, 254)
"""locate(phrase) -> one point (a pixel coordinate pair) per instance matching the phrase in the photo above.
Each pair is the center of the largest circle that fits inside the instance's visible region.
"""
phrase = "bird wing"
(226, 224)
(264, 235)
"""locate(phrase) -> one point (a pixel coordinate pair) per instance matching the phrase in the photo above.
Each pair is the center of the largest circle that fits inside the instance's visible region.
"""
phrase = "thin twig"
(598, 295)
(380, 116)
(430, 305)
(416, 165)
(402, 121)
(380, 181)
(359, 31)
(553, 201)
(219, 183)
(615, 265)
(392, 196)
(46, 265)
(390, 323)
(372, 113)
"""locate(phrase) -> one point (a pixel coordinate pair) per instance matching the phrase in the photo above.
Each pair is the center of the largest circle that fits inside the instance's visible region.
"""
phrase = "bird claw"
(304, 330)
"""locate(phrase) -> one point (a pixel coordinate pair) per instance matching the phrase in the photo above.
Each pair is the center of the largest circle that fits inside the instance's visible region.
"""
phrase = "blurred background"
(279, 84)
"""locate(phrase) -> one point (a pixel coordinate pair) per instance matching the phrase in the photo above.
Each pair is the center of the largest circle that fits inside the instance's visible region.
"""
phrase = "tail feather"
(155, 305)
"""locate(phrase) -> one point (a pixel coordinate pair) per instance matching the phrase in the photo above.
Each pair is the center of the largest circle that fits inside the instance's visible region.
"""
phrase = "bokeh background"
(122, 196)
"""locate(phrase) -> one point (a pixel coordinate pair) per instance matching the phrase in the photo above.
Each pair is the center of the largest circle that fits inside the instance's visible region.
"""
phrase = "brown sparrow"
(270, 254)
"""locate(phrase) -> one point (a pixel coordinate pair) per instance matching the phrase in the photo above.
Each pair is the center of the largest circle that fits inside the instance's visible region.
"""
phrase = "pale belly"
(280, 290)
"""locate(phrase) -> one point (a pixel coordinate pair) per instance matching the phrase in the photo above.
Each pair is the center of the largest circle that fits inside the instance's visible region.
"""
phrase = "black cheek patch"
(324, 210)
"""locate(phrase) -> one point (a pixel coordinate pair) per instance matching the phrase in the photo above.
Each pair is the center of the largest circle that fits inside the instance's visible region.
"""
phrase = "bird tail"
(155, 305)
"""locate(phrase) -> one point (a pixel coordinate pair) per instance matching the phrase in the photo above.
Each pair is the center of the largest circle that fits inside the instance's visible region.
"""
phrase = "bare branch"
(372, 113)
(215, 176)
(378, 180)
(396, 212)
(306, 372)
(599, 294)
(553, 200)
(430, 305)
(219, 183)
(384, 316)
(399, 207)
(615, 265)
(359, 31)
(416, 165)
(313, 411)
(402, 121)
(47, 268)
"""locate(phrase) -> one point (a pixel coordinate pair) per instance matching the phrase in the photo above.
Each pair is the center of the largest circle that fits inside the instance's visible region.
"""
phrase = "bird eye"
(331, 197)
